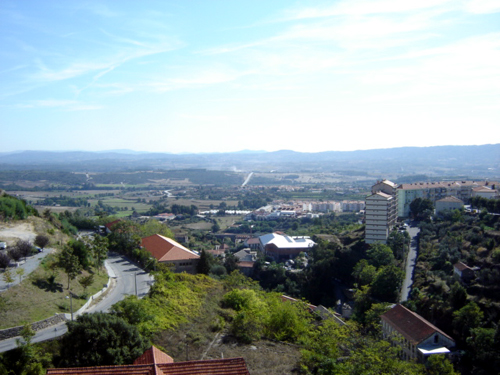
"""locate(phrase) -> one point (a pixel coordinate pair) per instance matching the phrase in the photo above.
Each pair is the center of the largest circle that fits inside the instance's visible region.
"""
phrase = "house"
(281, 247)
(416, 337)
(463, 271)
(110, 225)
(252, 243)
(485, 192)
(166, 250)
(449, 203)
(156, 362)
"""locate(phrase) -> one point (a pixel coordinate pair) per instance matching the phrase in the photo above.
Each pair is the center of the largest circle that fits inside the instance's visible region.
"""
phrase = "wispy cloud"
(67, 105)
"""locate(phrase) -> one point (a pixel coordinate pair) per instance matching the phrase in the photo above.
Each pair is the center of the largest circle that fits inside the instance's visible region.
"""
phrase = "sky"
(223, 75)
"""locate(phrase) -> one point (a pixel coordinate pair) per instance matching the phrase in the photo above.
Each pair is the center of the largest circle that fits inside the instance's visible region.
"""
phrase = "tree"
(364, 273)
(20, 272)
(69, 262)
(98, 250)
(15, 254)
(467, 318)
(205, 263)
(231, 263)
(101, 339)
(398, 242)
(7, 277)
(153, 226)
(81, 250)
(26, 359)
(86, 281)
(421, 209)
(4, 260)
(25, 248)
(458, 296)
(387, 284)
(380, 255)
(439, 365)
(41, 241)
(135, 312)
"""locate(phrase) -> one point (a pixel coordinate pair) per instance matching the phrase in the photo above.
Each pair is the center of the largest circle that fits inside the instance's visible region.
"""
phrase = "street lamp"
(71, 304)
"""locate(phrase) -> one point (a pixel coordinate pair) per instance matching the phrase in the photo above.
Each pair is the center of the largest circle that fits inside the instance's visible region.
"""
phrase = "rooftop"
(411, 325)
(165, 249)
(156, 362)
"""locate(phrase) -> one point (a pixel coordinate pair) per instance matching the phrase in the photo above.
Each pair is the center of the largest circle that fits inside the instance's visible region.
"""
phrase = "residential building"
(281, 247)
(435, 191)
(449, 203)
(166, 250)
(380, 217)
(154, 361)
(485, 192)
(352, 206)
(463, 271)
(417, 337)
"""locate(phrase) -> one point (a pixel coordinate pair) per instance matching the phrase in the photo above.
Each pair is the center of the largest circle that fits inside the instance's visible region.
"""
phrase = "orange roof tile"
(411, 325)
(165, 249)
(153, 356)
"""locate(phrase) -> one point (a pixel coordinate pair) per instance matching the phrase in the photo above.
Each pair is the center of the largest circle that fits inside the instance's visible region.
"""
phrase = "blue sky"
(216, 76)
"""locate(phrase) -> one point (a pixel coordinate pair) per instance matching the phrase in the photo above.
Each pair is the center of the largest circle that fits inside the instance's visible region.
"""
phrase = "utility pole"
(135, 274)
(71, 304)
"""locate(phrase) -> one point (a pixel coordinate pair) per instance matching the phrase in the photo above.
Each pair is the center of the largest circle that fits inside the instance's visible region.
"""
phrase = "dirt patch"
(262, 357)
(11, 233)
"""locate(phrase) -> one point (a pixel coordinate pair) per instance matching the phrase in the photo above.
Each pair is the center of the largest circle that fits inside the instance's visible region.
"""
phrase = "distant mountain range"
(481, 161)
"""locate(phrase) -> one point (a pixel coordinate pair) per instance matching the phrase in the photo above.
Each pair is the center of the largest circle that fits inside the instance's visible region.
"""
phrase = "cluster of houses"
(276, 245)
(389, 201)
(303, 209)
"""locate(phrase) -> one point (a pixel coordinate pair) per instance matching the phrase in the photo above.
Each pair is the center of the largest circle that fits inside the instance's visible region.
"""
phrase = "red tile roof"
(155, 362)
(461, 266)
(230, 366)
(411, 325)
(109, 225)
(165, 249)
(153, 355)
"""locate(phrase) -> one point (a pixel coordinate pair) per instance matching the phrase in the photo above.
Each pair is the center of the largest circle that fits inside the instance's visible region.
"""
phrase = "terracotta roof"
(230, 366)
(246, 264)
(411, 325)
(461, 266)
(109, 225)
(165, 249)
(155, 362)
(451, 198)
(153, 355)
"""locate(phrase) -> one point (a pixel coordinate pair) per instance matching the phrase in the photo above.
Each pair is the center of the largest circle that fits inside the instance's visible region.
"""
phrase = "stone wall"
(37, 326)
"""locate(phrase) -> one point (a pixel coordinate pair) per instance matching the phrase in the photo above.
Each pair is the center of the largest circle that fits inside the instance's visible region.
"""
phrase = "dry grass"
(198, 339)
(35, 299)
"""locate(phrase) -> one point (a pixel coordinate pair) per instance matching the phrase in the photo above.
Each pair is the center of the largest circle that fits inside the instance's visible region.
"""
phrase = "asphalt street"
(411, 260)
(128, 279)
(29, 266)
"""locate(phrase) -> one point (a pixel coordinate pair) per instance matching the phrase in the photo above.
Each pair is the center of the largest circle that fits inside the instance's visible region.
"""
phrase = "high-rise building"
(381, 210)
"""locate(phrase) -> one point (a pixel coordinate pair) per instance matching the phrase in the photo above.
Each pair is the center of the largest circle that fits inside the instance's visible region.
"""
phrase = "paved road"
(124, 276)
(410, 263)
(29, 266)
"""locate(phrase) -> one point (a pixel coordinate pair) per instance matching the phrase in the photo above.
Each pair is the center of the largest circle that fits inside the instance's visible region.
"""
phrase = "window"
(436, 339)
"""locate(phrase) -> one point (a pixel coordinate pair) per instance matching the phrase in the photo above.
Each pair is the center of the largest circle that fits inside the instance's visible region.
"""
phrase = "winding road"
(127, 279)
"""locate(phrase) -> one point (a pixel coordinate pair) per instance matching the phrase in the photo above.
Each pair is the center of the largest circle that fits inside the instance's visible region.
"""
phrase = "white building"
(380, 211)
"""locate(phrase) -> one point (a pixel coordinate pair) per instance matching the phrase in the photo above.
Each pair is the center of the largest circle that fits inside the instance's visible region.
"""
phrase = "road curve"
(124, 274)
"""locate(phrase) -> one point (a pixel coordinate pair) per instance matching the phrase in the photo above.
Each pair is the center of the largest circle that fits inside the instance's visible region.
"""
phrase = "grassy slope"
(34, 299)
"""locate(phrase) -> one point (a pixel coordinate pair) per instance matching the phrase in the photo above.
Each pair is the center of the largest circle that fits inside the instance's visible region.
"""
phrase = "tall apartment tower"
(381, 209)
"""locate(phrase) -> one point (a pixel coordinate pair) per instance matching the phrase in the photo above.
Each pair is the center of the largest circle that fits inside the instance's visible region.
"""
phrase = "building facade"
(417, 337)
